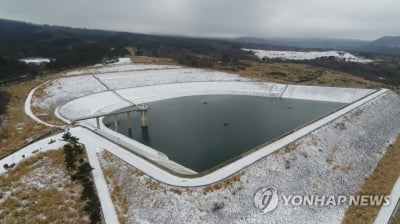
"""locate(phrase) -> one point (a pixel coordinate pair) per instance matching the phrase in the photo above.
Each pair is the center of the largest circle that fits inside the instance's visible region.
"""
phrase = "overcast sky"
(362, 19)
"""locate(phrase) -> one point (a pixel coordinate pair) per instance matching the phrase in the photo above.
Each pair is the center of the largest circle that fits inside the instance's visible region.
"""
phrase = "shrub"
(69, 157)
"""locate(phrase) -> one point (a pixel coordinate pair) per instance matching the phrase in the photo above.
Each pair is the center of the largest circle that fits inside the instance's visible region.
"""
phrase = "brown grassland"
(19, 128)
(297, 74)
(396, 219)
(152, 60)
(379, 182)
(39, 190)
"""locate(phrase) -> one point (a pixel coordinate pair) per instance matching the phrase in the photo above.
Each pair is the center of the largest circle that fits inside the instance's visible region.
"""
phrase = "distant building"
(108, 60)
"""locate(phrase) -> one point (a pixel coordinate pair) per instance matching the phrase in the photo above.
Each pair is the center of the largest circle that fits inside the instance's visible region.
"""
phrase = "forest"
(72, 47)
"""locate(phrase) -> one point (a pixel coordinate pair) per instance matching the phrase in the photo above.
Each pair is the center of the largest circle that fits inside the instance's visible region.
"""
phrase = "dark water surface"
(200, 132)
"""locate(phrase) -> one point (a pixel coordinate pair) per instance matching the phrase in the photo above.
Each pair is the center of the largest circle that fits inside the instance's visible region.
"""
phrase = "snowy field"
(309, 55)
(35, 60)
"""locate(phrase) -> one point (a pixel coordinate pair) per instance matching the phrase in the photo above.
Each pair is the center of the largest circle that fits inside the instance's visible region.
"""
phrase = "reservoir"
(202, 132)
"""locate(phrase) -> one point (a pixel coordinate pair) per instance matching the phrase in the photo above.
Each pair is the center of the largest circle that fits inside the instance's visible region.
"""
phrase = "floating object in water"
(205, 102)
(226, 124)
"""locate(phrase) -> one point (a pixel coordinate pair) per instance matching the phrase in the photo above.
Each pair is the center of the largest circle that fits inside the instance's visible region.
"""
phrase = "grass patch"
(18, 128)
(153, 60)
(297, 73)
(396, 219)
(223, 184)
(379, 182)
(39, 190)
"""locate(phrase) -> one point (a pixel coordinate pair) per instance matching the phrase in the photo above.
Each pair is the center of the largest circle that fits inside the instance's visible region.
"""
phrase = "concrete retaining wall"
(331, 94)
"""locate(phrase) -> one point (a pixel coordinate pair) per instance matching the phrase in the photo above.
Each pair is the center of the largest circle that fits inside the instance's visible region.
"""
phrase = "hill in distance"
(387, 41)
(388, 45)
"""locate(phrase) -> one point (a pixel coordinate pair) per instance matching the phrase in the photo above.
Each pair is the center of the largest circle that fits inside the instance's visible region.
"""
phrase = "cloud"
(365, 19)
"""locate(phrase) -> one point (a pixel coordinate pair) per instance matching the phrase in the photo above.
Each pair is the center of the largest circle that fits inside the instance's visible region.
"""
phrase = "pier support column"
(115, 123)
(128, 118)
(98, 122)
(143, 114)
(128, 114)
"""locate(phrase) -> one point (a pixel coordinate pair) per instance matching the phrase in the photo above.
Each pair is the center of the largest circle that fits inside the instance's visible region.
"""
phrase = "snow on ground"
(35, 60)
(123, 61)
(28, 109)
(93, 144)
(123, 80)
(309, 55)
(62, 90)
(42, 145)
(353, 144)
(26, 192)
(332, 94)
(123, 67)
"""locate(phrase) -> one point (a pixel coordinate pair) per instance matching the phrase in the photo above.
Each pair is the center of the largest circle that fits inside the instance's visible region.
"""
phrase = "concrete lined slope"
(122, 80)
(332, 94)
(60, 91)
(120, 68)
(105, 103)
(161, 92)
(332, 160)
(92, 105)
